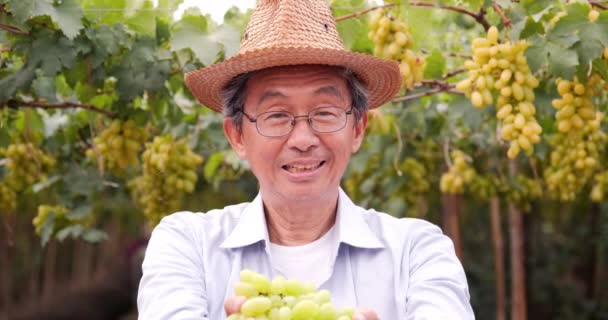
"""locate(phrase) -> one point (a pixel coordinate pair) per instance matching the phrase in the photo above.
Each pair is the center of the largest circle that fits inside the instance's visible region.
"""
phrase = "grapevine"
(27, 165)
(417, 186)
(502, 69)
(460, 174)
(118, 146)
(393, 40)
(168, 174)
(58, 213)
(284, 299)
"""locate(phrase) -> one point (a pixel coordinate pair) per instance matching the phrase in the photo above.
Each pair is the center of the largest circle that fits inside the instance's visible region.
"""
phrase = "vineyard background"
(71, 69)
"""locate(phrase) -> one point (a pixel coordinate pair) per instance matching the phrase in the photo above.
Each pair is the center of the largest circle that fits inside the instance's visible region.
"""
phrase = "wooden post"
(499, 253)
(452, 205)
(518, 271)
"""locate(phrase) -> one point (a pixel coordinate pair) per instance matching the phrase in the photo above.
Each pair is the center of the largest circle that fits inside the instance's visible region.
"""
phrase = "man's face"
(305, 164)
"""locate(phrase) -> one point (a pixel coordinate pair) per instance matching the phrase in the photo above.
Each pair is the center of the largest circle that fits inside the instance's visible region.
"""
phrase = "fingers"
(233, 304)
(365, 314)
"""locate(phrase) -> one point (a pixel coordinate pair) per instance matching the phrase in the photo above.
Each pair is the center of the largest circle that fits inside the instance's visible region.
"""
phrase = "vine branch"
(479, 17)
(598, 5)
(506, 21)
(15, 104)
(438, 86)
(451, 54)
(13, 30)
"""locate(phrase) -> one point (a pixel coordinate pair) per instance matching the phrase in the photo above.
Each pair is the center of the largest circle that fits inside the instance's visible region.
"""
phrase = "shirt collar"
(351, 226)
(250, 228)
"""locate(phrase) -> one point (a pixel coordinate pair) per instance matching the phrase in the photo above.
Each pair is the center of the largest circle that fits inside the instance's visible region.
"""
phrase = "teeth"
(298, 168)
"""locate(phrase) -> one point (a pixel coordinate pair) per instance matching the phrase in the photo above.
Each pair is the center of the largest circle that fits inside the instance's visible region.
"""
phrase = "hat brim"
(381, 76)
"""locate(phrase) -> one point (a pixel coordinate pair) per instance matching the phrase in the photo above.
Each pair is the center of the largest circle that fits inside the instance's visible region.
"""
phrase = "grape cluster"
(461, 173)
(600, 187)
(169, 172)
(575, 107)
(44, 211)
(417, 184)
(574, 159)
(522, 190)
(483, 187)
(502, 69)
(593, 15)
(284, 299)
(393, 40)
(118, 146)
(27, 165)
(8, 199)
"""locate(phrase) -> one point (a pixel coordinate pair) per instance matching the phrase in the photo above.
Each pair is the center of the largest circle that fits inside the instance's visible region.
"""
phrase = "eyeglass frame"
(294, 119)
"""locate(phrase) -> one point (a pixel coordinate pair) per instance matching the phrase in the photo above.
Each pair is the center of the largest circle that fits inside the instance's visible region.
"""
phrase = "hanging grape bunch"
(417, 184)
(393, 40)
(484, 187)
(574, 158)
(8, 199)
(600, 187)
(502, 69)
(284, 299)
(522, 190)
(575, 108)
(44, 211)
(169, 172)
(460, 174)
(27, 165)
(118, 146)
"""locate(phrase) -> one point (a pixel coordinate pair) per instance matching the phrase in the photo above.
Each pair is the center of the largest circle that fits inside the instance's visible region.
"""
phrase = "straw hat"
(293, 32)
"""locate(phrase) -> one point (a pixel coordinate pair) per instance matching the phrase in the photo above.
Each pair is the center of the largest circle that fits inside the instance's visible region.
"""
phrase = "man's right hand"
(233, 305)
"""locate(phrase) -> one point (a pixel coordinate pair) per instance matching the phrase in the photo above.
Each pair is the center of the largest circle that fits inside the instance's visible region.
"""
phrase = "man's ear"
(235, 137)
(359, 132)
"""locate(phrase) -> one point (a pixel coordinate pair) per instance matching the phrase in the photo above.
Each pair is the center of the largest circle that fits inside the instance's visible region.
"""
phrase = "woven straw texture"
(293, 32)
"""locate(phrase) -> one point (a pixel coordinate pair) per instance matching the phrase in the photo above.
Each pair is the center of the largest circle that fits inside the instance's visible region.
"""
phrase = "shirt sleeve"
(438, 286)
(172, 285)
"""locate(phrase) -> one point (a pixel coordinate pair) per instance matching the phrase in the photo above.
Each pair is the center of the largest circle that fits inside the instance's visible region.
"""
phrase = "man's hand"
(233, 305)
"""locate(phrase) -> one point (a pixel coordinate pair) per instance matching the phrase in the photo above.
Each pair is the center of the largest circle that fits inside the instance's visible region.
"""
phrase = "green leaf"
(67, 14)
(144, 19)
(537, 53)
(35, 124)
(73, 231)
(562, 62)
(19, 80)
(215, 161)
(94, 236)
(536, 6)
(571, 23)
(44, 87)
(601, 67)
(47, 229)
(80, 212)
(52, 54)
(45, 184)
(435, 65)
(531, 28)
(21, 9)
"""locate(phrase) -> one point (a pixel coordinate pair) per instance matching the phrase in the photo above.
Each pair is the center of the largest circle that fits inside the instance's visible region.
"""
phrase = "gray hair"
(233, 96)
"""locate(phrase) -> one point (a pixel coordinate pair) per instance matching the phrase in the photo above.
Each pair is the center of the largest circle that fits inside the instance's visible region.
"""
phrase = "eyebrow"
(270, 94)
(331, 90)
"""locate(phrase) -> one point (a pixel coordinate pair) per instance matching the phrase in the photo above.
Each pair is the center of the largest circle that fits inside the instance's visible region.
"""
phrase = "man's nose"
(302, 137)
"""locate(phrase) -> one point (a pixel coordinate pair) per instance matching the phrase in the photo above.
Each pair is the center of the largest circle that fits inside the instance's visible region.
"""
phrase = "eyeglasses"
(281, 123)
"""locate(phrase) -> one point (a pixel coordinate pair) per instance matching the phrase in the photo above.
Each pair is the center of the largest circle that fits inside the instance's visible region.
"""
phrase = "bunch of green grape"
(119, 146)
(418, 183)
(483, 187)
(574, 159)
(284, 299)
(600, 187)
(393, 40)
(502, 69)
(44, 211)
(522, 190)
(461, 173)
(169, 172)
(27, 165)
(8, 198)
(575, 107)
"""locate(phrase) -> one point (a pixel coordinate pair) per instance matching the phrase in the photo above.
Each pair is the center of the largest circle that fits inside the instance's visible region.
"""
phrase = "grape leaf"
(531, 28)
(533, 7)
(44, 87)
(19, 80)
(537, 53)
(21, 9)
(67, 14)
(562, 62)
(435, 65)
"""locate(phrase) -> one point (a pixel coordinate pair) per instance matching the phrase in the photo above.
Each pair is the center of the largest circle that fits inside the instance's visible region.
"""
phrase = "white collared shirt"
(401, 268)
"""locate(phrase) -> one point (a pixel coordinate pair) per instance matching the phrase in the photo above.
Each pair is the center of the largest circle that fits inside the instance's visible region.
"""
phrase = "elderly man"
(295, 105)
